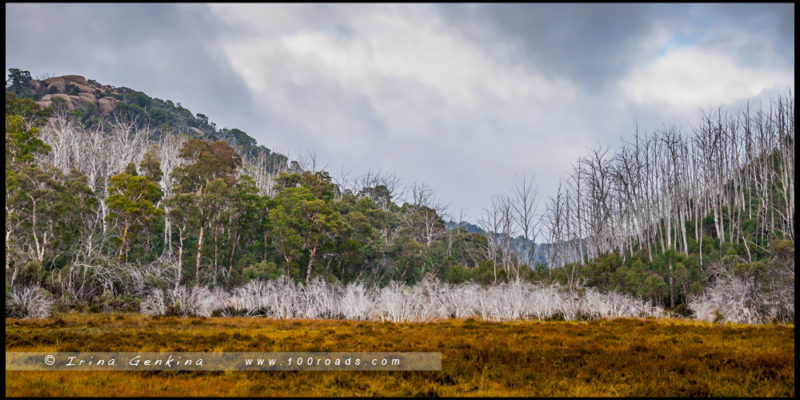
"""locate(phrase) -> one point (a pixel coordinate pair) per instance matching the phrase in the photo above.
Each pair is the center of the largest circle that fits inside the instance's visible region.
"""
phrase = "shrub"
(430, 299)
(29, 302)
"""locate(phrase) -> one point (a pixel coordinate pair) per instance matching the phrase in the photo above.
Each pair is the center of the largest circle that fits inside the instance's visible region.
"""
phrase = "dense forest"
(133, 203)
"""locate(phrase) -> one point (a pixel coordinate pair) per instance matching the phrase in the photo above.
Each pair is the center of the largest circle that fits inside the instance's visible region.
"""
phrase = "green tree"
(248, 224)
(182, 214)
(32, 114)
(217, 200)
(285, 238)
(28, 187)
(317, 223)
(319, 184)
(207, 162)
(151, 166)
(18, 81)
(131, 202)
(22, 143)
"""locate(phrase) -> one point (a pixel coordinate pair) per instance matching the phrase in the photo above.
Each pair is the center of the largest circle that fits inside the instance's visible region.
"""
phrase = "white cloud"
(405, 92)
(386, 46)
(424, 91)
(710, 72)
(401, 89)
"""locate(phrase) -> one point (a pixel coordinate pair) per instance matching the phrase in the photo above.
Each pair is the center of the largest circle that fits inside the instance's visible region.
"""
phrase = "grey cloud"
(590, 44)
(775, 20)
(164, 50)
(466, 155)
(770, 28)
(594, 44)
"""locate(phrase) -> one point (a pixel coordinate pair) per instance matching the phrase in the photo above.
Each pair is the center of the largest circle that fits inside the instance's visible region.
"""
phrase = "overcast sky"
(463, 97)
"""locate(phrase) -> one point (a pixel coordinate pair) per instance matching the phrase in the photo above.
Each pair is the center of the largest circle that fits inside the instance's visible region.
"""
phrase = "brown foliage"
(621, 357)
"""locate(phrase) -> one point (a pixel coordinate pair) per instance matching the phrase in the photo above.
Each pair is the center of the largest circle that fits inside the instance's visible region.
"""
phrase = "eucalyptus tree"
(202, 184)
(131, 201)
(22, 145)
(168, 154)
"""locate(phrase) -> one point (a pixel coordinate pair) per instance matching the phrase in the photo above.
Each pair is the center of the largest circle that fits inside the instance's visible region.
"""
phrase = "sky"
(466, 98)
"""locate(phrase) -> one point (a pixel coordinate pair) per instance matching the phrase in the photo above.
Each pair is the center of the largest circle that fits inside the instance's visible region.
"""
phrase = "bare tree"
(426, 212)
(490, 223)
(169, 155)
(507, 233)
(261, 170)
(524, 205)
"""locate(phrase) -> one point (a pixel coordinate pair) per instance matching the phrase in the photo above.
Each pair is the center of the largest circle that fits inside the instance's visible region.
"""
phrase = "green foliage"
(22, 143)
(286, 240)
(457, 274)
(32, 272)
(151, 166)
(264, 270)
(31, 113)
(46, 209)
(138, 99)
(206, 162)
(18, 82)
(285, 181)
(131, 201)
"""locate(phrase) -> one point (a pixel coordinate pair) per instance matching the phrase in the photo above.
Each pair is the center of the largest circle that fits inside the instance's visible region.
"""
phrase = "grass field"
(622, 357)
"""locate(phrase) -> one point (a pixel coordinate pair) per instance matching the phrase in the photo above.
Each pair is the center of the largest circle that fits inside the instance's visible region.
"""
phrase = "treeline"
(106, 212)
(104, 209)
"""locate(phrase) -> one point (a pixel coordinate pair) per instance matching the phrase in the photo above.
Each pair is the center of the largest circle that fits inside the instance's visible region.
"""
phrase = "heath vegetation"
(620, 357)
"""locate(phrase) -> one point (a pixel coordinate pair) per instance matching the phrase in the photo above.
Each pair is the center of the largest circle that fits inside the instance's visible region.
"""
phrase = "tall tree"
(524, 205)
(131, 200)
(206, 163)
(318, 224)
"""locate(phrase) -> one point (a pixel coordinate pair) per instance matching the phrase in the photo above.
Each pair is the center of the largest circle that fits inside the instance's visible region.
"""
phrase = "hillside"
(93, 103)
(517, 244)
(252, 222)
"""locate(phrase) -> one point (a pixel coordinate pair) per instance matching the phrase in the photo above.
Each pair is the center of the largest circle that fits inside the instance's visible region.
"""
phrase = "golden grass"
(622, 357)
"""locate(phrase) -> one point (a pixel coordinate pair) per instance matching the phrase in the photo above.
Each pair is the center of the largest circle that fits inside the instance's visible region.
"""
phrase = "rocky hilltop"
(76, 90)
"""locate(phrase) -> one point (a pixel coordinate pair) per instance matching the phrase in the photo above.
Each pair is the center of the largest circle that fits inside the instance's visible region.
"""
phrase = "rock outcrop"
(58, 84)
(75, 79)
(72, 101)
(64, 87)
(106, 104)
